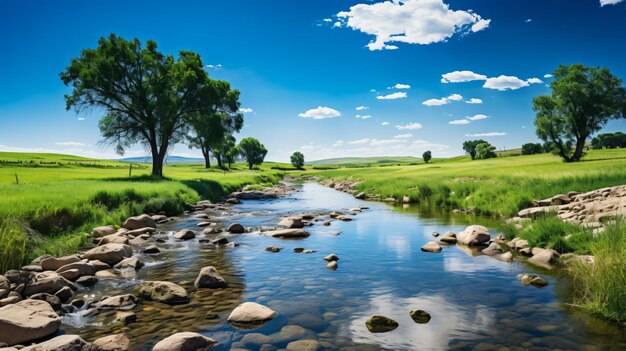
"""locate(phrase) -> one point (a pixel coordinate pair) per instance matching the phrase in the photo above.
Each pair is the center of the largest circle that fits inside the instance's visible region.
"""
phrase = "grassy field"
(496, 187)
(49, 201)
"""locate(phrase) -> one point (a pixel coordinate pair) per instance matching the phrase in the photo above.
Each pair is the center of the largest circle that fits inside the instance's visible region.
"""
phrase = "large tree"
(427, 155)
(226, 151)
(148, 96)
(485, 150)
(252, 151)
(470, 147)
(210, 129)
(297, 159)
(583, 100)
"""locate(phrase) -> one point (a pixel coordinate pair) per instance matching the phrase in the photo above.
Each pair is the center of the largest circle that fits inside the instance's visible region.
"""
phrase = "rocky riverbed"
(298, 269)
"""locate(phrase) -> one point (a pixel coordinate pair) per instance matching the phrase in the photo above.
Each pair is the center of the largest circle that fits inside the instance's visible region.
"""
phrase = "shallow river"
(475, 301)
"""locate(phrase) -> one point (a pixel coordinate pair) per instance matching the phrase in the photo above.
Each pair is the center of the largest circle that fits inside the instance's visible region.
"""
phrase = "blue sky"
(303, 68)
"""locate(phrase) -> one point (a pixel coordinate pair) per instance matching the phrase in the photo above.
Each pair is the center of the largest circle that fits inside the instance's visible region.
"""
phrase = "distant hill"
(171, 160)
(365, 160)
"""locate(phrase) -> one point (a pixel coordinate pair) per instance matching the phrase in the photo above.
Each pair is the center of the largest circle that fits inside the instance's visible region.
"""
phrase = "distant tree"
(532, 148)
(485, 150)
(426, 156)
(297, 160)
(470, 147)
(210, 129)
(148, 96)
(583, 100)
(609, 141)
(252, 151)
(230, 151)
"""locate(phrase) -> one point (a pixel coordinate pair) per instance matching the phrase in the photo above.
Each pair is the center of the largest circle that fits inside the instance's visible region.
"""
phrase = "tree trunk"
(207, 159)
(578, 152)
(250, 165)
(157, 165)
(218, 157)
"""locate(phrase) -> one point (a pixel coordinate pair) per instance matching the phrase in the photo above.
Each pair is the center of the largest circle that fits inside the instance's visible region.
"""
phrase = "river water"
(475, 301)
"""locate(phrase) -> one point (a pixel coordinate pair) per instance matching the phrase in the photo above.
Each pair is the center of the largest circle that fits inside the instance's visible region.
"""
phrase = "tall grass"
(600, 288)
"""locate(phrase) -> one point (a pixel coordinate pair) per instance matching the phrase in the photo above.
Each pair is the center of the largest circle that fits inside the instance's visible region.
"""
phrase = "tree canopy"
(427, 155)
(297, 160)
(609, 141)
(532, 148)
(485, 150)
(470, 147)
(148, 97)
(582, 101)
(252, 151)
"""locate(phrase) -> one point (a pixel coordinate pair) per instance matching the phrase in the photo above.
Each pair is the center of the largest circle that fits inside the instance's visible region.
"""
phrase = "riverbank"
(50, 202)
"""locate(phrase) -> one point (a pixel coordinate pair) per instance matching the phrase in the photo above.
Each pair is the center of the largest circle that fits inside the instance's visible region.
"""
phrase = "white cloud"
(409, 126)
(376, 142)
(361, 108)
(455, 97)
(70, 143)
(337, 25)
(359, 141)
(491, 134)
(384, 124)
(403, 136)
(372, 90)
(402, 86)
(460, 121)
(327, 20)
(474, 101)
(548, 75)
(245, 110)
(534, 81)
(410, 21)
(393, 96)
(505, 83)
(528, 20)
(436, 102)
(338, 143)
(461, 76)
(609, 2)
(81, 118)
(363, 117)
(476, 117)
(215, 66)
(320, 112)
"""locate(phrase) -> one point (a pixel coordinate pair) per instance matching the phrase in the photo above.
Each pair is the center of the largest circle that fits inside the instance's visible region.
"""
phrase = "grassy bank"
(49, 202)
(496, 187)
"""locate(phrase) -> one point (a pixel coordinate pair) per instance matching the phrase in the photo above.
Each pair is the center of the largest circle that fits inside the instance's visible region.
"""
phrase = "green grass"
(58, 198)
(601, 288)
(495, 187)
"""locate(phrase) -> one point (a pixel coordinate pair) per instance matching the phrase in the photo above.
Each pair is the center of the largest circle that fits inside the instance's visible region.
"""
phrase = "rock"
(98, 232)
(531, 279)
(108, 273)
(335, 214)
(448, 238)
(492, 249)
(203, 224)
(308, 251)
(5, 283)
(152, 249)
(291, 222)
(26, 321)
(64, 294)
(532, 212)
(236, 228)
(165, 292)
(251, 313)
(88, 280)
(138, 222)
(200, 216)
(355, 209)
(126, 317)
(344, 218)
(473, 235)
(331, 257)
(326, 224)
(298, 249)
(360, 195)
(186, 341)
(220, 240)
(389, 199)
(60, 343)
(420, 316)
(332, 265)
(184, 234)
(406, 199)
(54, 301)
(140, 231)
(118, 302)
(129, 263)
(47, 282)
(70, 274)
(380, 324)
(83, 268)
(209, 277)
(99, 265)
(435, 234)
(159, 218)
(538, 282)
(304, 345)
(110, 254)
(335, 233)
(116, 342)
(273, 249)
(544, 258)
(233, 201)
(53, 263)
(116, 238)
(507, 257)
(288, 233)
(431, 247)
(211, 230)
(518, 244)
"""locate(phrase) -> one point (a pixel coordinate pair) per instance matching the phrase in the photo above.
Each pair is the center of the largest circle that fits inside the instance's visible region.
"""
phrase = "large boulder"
(209, 277)
(236, 228)
(166, 292)
(448, 238)
(544, 258)
(110, 254)
(5, 284)
(288, 233)
(26, 321)
(129, 263)
(47, 282)
(186, 341)
(115, 238)
(53, 263)
(431, 246)
(115, 342)
(184, 234)
(251, 313)
(60, 343)
(473, 235)
(118, 302)
(291, 222)
(98, 232)
(83, 268)
(139, 222)
(380, 324)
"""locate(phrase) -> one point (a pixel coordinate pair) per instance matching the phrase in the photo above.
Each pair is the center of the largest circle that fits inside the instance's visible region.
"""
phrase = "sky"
(330, 78)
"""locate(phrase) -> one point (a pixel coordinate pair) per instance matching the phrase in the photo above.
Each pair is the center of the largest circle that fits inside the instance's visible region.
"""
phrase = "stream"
(475, 301)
